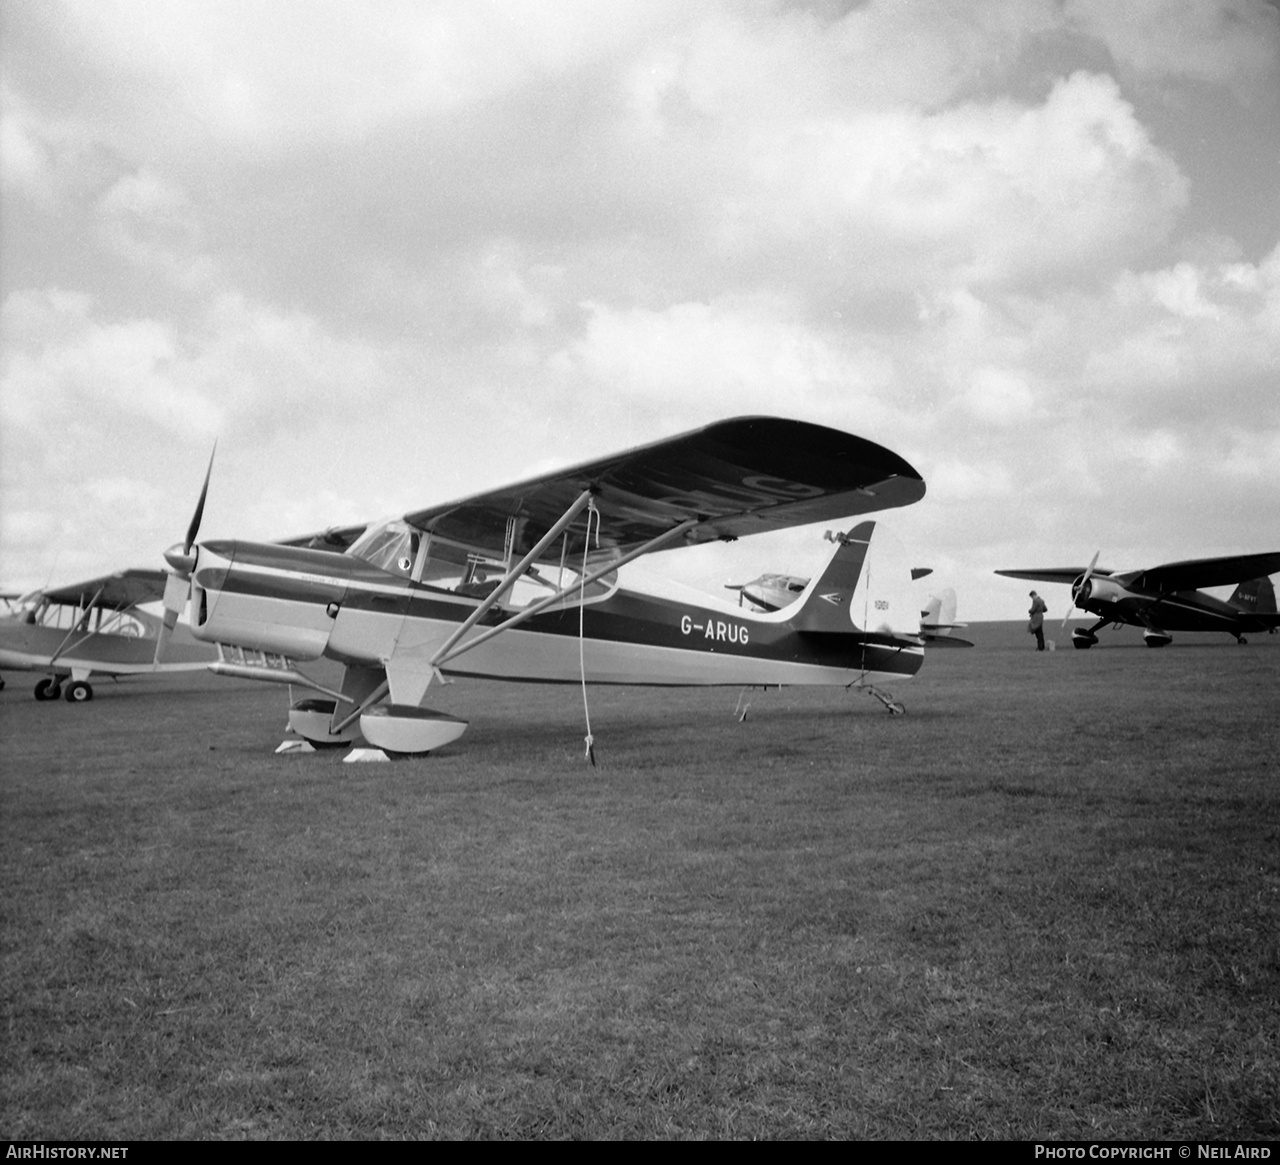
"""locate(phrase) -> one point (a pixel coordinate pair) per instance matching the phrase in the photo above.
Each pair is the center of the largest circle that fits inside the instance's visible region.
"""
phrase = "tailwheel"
(48, 689)
(78, 692)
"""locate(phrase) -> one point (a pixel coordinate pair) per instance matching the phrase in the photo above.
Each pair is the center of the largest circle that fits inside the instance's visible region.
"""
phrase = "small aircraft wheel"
(47, 689)
(78, 692)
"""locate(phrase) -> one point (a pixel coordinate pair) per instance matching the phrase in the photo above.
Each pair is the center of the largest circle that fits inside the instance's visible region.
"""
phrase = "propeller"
(194, 528)
(177, 587)
(179, 557)
(1084, 582)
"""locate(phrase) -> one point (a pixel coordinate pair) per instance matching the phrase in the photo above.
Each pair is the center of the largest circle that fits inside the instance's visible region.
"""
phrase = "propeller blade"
(1071, 603)
(194, 529)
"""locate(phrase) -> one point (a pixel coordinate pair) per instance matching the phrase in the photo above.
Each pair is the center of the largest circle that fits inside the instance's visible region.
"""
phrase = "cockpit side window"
(394, 546)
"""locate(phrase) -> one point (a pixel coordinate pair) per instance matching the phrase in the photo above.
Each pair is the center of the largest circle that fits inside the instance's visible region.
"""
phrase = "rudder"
(1257, 596)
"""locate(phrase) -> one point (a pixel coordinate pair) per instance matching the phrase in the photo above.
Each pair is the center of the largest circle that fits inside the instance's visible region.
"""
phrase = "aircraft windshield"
(390, 546)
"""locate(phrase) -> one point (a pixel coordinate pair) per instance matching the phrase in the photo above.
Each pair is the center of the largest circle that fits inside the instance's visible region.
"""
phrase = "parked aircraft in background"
(94, 628)
(1163, 599)
(520, 583)
(775, 592)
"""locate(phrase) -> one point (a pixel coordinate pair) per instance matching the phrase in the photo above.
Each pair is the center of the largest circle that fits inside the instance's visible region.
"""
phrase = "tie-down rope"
(582, 600)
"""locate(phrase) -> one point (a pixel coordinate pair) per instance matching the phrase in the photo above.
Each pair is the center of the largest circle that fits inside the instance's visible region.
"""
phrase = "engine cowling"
(1096, 589)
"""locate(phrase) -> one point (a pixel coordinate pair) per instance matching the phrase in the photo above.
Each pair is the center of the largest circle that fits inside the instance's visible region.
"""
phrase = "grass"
(1044, 904)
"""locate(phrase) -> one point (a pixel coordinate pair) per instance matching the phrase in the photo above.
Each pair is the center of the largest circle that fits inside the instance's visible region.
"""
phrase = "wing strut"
(81, 614)
(513, 573)
(444, 655)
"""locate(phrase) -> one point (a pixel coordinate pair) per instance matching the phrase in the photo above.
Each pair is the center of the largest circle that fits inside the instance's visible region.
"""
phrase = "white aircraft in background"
(94, 628)
(775, 592)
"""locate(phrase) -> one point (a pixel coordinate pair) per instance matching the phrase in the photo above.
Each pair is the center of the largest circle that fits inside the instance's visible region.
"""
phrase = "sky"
(393, 253)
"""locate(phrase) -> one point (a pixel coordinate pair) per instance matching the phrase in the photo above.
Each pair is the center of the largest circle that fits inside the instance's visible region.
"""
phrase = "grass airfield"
(1045, 903)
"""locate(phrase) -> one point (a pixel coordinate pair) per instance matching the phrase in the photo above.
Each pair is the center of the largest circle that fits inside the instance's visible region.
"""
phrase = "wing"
(1206, 572)
(1054, 574)
(124, 588)
(736, 477)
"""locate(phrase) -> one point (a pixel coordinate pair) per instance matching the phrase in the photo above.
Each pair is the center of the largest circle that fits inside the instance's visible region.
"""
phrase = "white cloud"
(998, 396)
(724, 358)
(1226, 42)
(400, 256)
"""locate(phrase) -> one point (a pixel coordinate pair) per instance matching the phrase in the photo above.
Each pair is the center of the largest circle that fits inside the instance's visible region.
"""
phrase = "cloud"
(1233, 43)
(698, 360)
(400, 253)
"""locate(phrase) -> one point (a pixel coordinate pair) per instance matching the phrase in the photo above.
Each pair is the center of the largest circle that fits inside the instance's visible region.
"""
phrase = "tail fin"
(939, 613)
(862, 588)
(938, 620)
(1257, 596)
(827, 602)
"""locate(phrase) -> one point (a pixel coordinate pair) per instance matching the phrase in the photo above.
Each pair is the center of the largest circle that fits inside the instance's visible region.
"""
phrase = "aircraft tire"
(79, 692)
(47, 689)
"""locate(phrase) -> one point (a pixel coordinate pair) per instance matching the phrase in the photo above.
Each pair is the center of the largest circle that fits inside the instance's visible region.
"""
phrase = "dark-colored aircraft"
(1163, 599)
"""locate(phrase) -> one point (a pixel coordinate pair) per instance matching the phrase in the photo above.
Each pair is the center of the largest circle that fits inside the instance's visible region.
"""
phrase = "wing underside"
(731, 479)
(1054, 574)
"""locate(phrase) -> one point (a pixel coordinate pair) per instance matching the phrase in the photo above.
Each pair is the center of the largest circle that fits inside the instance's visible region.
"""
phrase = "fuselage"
(1110, 598)
(28, 645)
(307, 604)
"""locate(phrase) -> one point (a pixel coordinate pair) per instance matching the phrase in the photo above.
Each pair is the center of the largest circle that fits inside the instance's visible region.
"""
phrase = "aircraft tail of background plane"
(1256, 596)
(866, 586)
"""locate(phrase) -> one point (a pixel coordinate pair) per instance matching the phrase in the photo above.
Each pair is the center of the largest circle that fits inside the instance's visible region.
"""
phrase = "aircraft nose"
(182, 561)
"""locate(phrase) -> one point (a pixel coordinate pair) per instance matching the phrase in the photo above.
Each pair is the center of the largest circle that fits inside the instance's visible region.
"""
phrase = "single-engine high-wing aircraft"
(520, 583)
(775, 592)
(1163, 599)
(94, 628)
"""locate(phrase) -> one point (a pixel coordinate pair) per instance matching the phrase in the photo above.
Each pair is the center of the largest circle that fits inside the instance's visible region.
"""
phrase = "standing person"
(1036, 625)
